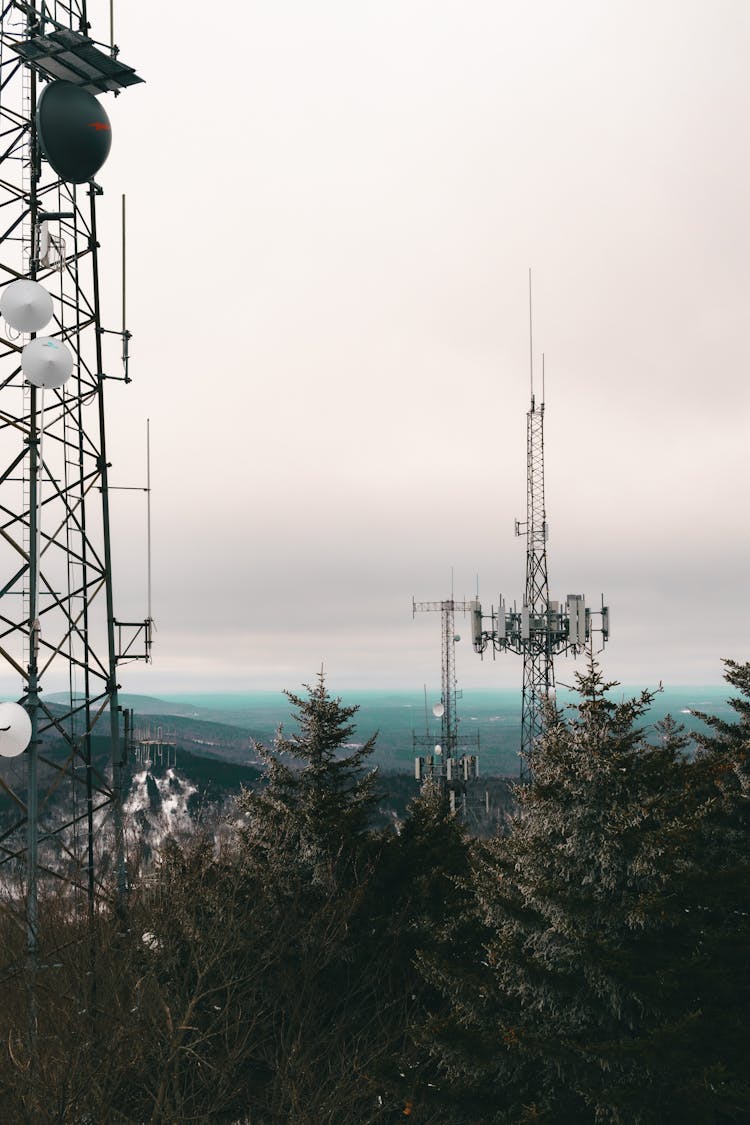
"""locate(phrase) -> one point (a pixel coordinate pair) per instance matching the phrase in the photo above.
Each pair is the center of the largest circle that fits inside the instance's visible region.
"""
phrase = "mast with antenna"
(537, 644)
(447, 760)
(149, 616)
(135, 638)
(58, 649)
(543, 628)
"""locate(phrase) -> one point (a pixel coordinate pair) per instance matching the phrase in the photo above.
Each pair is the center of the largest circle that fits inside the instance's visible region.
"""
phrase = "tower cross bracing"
(60, 643)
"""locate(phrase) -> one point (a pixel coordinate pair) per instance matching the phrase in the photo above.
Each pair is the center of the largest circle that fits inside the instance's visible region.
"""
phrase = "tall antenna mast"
(543, 628)
(531, 346)
(537, 646)
(538, 668)
(149, 616)
(59, 650)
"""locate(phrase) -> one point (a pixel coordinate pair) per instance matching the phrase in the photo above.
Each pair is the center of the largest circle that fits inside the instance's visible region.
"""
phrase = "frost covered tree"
(305, 842)
(319, 795)
(725, 749)
(422, 893)
(722, 899)
(590, 998)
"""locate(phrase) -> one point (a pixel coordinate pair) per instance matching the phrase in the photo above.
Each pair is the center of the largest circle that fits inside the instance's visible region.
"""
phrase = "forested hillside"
(291, 962)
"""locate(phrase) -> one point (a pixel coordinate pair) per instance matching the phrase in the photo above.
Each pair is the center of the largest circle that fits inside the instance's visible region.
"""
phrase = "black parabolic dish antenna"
(74, 131)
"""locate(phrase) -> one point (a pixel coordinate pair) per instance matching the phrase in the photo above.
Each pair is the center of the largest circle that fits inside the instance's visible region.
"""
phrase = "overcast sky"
(332, 209)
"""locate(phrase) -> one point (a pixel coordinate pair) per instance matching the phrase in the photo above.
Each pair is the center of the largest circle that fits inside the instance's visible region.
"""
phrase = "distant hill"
(225, 725)
(142, 704)
(211, 740)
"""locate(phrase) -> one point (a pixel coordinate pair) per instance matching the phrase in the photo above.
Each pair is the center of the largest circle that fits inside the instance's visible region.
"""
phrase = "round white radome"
(15, 730)
(46, 362)
(26, 305)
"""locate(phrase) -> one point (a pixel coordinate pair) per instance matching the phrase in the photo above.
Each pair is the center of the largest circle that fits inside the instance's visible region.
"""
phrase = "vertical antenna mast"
(124, 309)
(149, 618)
(124, 331)
(538, 668)
(543, 628)
(531, 346)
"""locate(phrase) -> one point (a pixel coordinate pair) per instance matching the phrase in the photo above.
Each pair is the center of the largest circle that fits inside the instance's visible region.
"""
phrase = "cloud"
(329, 239)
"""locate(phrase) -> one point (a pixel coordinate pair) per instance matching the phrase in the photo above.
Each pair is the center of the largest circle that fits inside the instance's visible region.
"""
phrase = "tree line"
(587, 964)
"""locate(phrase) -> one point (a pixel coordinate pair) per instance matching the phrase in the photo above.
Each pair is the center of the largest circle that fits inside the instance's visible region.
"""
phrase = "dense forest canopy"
(293, 962)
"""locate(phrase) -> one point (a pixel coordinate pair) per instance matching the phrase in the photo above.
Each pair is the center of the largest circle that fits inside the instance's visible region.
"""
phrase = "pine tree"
(591, 1002)
(726, 751)
(425, 896)
(306, 843)
(722, 899)
(318, 797)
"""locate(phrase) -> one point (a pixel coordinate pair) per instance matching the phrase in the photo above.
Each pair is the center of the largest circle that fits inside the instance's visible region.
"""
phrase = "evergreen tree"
(425, 896)
(589, 999)
(318, 797)
(726, 750)
(722, 899)
(306, 845)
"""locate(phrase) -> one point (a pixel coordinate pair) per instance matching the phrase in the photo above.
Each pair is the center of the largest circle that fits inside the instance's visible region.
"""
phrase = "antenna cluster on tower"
(447, 761)
(60, 642)
(541, 628)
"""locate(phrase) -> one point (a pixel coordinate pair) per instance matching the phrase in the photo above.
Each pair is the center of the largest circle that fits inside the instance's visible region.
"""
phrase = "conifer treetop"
(576, 735)
(318, 790)
(737, 676)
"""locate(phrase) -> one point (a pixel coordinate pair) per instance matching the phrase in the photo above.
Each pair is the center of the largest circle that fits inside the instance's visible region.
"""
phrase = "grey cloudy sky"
(332, 209)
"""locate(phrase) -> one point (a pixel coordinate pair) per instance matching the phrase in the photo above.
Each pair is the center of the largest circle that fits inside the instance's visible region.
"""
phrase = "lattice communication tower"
(538, 666)
(450, 763)
(543, 628)
(60, 642)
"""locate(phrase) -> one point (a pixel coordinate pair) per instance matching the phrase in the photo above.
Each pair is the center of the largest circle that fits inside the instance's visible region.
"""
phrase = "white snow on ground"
(137, 799)
(175, 794)
(170, 816)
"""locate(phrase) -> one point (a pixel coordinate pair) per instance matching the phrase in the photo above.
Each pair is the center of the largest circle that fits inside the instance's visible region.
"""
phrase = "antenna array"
(543, 628)
(60, 644)
(449, 764)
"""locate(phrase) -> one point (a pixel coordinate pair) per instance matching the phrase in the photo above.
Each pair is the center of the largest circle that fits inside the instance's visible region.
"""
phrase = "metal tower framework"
(543, 629)
(62, 816)
(538, 666)
(450, 764)
(154, 748)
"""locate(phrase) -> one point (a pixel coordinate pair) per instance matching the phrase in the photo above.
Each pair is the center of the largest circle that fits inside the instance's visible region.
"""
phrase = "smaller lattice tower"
(448, 761)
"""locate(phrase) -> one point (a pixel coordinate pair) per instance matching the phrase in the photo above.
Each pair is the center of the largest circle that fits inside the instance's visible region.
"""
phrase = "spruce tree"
(722, 899)
(589, 997)
(307, 847)
(318, 796)
(425, 896)
(726, 749)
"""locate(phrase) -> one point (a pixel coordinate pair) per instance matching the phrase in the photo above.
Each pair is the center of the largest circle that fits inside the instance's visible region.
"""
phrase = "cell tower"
(449, 763)
(538, 667)
(60, 643)
(543, 629)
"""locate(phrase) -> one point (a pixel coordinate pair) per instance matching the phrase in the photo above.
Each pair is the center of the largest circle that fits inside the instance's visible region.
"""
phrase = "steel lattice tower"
(543, 628)
(451, 766)
(538, 666)
(60, 643)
